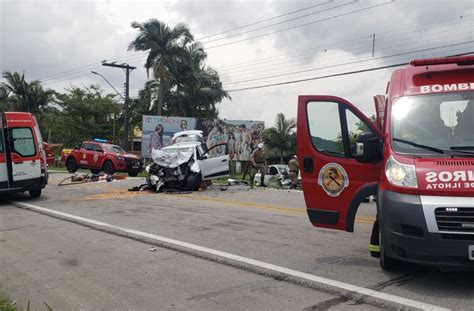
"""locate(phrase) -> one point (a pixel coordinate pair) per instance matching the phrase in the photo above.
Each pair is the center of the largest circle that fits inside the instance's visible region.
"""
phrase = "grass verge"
(6, 304)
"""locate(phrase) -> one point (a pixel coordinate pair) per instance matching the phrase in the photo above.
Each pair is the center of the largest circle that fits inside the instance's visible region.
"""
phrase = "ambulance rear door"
(25, 154)
(334, 183)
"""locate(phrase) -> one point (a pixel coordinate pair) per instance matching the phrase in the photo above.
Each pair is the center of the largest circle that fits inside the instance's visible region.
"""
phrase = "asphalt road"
(65, 265)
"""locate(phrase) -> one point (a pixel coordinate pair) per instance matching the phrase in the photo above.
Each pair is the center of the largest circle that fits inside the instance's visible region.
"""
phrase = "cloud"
(48, 37)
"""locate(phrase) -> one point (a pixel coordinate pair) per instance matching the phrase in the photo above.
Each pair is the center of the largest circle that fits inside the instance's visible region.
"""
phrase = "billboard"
(242, 136)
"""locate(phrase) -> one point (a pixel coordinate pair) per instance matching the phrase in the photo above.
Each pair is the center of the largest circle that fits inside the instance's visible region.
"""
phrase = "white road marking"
(240, 259)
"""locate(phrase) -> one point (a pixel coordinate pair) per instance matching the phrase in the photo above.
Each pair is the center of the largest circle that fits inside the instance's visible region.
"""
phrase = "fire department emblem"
(333, 179)
(84, 156)
(96, 157)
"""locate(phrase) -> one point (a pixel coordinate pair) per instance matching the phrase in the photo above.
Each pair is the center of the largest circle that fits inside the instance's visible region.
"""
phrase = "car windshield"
(434, 124)
(282, 167)
(186, 138)
(113, 148)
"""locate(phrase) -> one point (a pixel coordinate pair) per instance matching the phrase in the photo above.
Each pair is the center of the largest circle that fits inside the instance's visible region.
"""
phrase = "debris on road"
(77, 179)
(152, 249)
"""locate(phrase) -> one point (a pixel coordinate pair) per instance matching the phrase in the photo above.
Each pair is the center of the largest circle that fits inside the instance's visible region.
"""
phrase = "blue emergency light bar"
(100, 140)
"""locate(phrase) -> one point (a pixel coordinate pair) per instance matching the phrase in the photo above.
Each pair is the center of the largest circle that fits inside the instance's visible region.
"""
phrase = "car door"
(334, 183)
(96, 155)
(215, 162)
(85, 154)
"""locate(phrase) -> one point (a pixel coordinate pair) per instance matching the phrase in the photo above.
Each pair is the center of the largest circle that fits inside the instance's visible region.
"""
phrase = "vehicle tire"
(387, 263)
(108, 168)
(192, 182)
(35, 193)
(71, 165)
(95, 171)
(133, 174)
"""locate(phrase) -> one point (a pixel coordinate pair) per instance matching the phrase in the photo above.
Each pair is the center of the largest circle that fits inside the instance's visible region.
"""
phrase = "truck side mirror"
(369, 148)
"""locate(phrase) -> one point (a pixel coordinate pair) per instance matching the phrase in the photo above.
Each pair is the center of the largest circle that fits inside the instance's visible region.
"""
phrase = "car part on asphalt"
(77, 179)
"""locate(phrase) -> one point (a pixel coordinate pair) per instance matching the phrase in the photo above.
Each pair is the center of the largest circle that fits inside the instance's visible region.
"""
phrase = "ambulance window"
(23, 142)
(355, 126)
(325, 127)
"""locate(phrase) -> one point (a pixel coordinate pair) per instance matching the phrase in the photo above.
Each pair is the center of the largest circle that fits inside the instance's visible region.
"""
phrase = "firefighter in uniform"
(294, 169)
(257, 158)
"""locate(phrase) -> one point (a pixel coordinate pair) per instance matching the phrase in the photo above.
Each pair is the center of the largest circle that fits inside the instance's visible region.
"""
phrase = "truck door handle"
(18, 162)
(308, 164)
(224, 160)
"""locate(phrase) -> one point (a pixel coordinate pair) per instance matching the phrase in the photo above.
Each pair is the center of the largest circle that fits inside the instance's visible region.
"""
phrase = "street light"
(125, 102)
(96, 73)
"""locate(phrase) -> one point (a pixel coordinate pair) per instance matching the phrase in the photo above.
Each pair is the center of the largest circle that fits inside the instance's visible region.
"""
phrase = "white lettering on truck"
(446, 87)
(450, 180)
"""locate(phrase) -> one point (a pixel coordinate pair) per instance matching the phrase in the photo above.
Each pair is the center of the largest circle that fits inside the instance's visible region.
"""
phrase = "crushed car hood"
(171, 160)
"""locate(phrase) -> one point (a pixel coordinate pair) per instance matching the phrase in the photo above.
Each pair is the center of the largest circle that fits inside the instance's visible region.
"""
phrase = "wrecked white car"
(186, 163)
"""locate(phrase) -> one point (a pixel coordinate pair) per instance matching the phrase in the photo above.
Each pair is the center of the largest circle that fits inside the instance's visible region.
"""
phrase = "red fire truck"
(22, 157)
(417, 159)
(100, 155)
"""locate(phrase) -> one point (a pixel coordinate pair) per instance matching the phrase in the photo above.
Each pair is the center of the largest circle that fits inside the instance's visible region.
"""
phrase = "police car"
(100, 155)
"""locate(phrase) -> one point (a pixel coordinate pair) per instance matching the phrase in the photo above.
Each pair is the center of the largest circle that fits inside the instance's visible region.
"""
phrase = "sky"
(250, 43)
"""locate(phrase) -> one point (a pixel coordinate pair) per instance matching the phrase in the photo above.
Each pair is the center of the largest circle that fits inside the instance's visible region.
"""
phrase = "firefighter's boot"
(374, 241)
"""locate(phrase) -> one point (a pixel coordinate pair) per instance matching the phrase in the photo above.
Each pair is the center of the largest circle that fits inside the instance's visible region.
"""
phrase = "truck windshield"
(113, 148)
(431, 124)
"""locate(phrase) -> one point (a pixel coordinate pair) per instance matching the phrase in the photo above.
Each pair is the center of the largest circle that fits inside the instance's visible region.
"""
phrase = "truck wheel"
(387, 263)
(95, 171)
(108, 168)
(192, 182)
(133, 174)
(71, 165)
(35, 193)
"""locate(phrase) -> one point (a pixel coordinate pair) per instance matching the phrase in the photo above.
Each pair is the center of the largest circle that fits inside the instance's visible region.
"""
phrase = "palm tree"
(281, 136)
(16, 85)
(27, 96)
(164, 46)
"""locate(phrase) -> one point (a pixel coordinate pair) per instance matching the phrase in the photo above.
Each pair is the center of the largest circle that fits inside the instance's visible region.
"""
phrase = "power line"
(265, 20)
(386, 45)
(257, 71)
(142, 54)
(281, 22)
(302, 25)
(343, 73)
(379, 36)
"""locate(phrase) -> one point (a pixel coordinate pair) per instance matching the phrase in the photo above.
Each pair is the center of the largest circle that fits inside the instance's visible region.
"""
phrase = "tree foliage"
(281, 137)
(84, 113)
(184, 85)
(23, 95)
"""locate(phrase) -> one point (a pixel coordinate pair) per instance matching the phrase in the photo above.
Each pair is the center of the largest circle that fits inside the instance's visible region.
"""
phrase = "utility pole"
(128, 68)
(373, 44)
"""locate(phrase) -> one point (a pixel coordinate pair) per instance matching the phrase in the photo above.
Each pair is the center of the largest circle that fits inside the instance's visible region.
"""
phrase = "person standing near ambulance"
(258, 159)
(294, 168)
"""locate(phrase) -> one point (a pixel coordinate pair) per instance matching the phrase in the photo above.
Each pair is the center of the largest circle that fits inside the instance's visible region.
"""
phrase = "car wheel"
(95, 171)
(35, 193)
(192, 182)
(109, 168)
(71, 165)
(133, 174)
